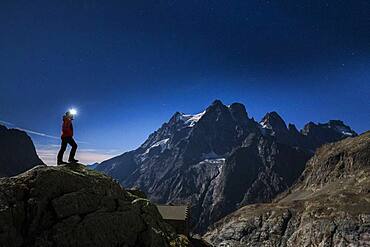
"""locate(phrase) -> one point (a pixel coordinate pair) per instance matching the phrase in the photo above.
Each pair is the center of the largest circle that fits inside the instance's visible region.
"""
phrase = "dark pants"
(65, 141)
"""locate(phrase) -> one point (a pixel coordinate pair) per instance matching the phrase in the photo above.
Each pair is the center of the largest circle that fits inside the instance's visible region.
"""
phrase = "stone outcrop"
(328, 206)
(73, 206)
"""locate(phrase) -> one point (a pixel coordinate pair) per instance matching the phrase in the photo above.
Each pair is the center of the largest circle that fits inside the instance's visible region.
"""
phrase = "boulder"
(73, 206)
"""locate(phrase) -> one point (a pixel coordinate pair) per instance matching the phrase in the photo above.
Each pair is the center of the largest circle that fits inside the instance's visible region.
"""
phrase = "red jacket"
(67, 127)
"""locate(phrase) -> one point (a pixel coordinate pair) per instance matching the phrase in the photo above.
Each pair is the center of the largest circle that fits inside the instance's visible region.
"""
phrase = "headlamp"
(73, 111)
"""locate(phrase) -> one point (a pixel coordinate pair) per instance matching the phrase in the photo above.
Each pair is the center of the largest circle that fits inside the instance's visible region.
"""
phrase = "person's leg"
(73, 150)
(63, 148)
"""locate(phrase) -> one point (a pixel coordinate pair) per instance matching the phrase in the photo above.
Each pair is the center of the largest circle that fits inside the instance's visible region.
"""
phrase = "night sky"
(127, 66)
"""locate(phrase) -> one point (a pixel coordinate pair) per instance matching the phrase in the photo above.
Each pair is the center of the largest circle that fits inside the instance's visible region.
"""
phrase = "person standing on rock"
(67, 138)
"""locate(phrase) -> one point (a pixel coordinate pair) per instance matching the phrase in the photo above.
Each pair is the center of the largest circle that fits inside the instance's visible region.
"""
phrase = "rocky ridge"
(328, 206)
(73, 206)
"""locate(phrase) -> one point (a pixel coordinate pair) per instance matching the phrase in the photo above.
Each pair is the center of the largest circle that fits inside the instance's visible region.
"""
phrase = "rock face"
(318, 134)
(17, 152)
(74, 206)
(218, 160)
(328, 206)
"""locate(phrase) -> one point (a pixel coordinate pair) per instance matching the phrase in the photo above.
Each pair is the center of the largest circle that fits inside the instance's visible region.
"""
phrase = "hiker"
(67, 138)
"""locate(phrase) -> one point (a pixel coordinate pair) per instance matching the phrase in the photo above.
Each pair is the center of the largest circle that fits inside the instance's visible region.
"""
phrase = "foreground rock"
(73, 206)
(220, 160)
(17, 152)
(329, 206)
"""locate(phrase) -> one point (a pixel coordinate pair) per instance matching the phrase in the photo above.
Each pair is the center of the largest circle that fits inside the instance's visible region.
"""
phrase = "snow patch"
(343, 130)
(265, 129)
(265, 125)
(191, 120)
(160, 143)
(218, 161)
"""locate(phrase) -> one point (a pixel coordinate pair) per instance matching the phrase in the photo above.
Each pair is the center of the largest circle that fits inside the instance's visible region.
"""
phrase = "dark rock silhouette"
(17, 152)
(318, 134)
(328, 206)
(73, 206)
(219, 160)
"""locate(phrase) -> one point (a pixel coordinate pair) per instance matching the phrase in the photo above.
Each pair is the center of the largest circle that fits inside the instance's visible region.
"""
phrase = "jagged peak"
(336, 125)
(292, 128)
(217, 102)
(310, 123)
(238, 107)
(272, 120)
(273, 115)
(191, 119)
(186, 119)
(336, 122)
(239, 112)
(176, 116)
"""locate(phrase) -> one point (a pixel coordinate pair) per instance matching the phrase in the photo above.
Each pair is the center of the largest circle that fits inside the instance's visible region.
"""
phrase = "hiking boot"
(73, 161)
(61, 163)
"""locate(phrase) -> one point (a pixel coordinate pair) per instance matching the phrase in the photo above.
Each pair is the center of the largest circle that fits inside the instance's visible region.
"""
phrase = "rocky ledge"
(74, 206)
(328, 206)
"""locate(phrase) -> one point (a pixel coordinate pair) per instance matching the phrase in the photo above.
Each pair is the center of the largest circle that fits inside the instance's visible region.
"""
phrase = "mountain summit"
(218, 160)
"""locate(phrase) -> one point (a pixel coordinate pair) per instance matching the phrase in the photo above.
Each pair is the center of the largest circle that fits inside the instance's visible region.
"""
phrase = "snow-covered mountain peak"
(191, 120)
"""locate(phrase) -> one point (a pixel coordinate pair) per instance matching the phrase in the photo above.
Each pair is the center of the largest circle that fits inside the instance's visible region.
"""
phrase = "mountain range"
(219, 160)
(248, 183)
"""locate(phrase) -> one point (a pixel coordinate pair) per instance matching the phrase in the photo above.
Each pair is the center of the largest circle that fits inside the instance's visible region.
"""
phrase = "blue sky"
(128, 67)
